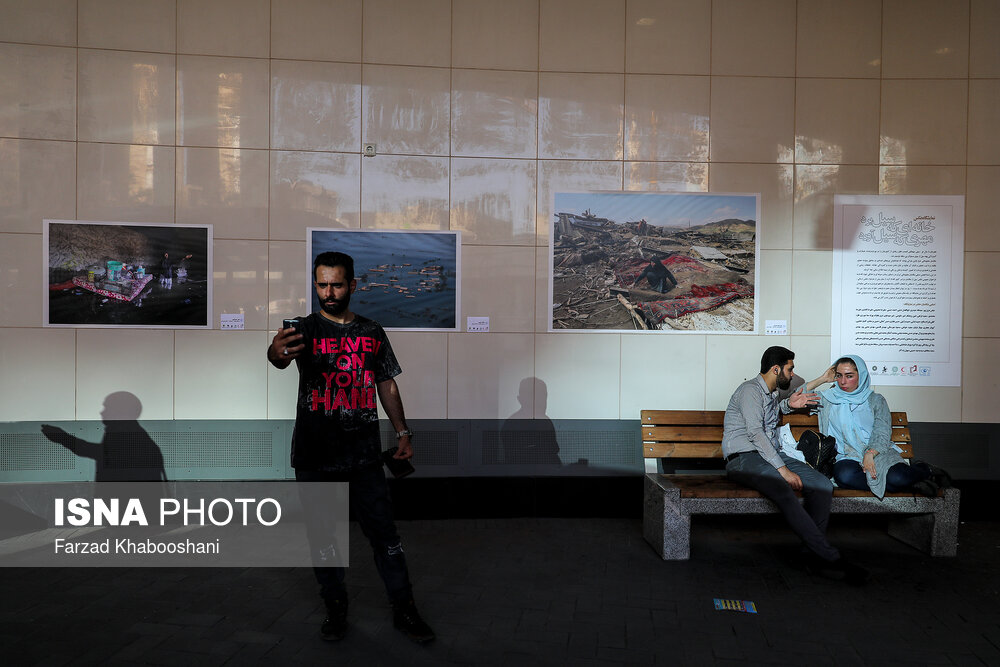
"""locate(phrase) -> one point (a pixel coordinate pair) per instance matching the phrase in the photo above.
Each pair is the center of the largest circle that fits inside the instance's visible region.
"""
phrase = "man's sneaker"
(407, 620)
(334, 626)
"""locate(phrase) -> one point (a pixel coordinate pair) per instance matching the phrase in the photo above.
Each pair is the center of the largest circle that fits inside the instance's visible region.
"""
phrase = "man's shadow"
(525, 439)
(126, 453)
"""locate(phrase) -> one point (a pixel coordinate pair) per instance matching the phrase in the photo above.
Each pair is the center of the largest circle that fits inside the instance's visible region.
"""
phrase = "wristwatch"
(405, 431)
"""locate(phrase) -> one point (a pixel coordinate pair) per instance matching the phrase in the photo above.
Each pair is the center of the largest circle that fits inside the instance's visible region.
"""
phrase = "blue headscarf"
(850, 418)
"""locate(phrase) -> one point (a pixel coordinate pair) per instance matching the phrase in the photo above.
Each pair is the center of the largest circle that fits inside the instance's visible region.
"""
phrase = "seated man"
(753, 457)
(658, 275)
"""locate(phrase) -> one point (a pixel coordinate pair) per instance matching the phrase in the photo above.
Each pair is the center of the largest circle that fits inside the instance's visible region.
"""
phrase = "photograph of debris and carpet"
(114, 274)
(654, 261)
(406, 280)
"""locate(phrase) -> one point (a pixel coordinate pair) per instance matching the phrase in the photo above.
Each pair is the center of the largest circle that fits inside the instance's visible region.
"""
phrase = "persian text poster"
(897, 286)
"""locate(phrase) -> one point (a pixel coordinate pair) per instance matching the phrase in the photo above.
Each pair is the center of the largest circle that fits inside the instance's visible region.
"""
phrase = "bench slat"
(682, 433)
(682, 450)
(696, 417)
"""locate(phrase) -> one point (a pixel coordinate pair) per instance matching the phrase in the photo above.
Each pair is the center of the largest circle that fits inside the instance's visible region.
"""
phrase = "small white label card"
(231, 321)
(775, 327)
(477, 324)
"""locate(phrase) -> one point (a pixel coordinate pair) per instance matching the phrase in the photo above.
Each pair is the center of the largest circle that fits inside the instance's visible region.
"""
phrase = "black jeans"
(369, 499)
(850, 475)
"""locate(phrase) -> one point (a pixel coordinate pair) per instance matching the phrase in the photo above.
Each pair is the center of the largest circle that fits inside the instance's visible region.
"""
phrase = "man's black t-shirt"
(336, 416)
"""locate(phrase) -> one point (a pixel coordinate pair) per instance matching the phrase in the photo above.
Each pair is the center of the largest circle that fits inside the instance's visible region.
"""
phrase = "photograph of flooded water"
(103, 274)
(406, 280)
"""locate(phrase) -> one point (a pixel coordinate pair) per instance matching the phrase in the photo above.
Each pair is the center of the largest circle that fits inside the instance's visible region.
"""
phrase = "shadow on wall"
(127, 453)
(525, 439)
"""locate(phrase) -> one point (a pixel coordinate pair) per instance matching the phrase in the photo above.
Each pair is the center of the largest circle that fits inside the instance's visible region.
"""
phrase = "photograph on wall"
(407, 280)
(654, 261)
(117, 274)
(897, 286)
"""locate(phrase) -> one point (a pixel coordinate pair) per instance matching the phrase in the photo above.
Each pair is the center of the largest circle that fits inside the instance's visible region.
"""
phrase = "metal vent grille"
(239, 449)
(33, 451)
(941, 449)
(432, 448)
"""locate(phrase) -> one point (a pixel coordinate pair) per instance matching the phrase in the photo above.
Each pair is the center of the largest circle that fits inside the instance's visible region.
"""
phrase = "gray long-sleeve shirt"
(751, 421)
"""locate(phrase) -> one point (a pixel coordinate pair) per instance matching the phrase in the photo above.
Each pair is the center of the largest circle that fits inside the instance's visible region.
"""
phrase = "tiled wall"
(251, 114)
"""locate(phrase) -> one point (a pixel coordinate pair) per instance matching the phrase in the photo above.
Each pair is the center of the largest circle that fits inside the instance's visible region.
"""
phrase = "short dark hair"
(333, 259)
(775, 356)
(845, 360)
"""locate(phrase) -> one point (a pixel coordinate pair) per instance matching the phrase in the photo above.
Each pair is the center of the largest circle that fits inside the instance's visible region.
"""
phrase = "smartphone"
(398, 467)
(290, 324)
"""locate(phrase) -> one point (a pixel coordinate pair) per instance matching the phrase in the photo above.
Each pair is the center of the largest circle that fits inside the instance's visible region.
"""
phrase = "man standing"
(753, 457)
(344, 359)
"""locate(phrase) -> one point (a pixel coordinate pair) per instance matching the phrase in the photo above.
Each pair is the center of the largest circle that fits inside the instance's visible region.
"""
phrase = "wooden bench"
(929, 524)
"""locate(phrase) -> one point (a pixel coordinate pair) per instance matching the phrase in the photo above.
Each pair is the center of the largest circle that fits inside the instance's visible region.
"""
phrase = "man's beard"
(336, 308)
(784, 382)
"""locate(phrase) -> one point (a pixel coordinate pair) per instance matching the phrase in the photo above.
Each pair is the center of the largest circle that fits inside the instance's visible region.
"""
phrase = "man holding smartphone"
(344, 361)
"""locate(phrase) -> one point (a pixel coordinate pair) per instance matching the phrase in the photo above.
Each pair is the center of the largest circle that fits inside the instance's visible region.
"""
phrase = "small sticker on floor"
(745, 606)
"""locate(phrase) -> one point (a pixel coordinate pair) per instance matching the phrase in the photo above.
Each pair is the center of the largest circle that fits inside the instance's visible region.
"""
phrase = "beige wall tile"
(923, 122)
(981, 315)
(542, 300)
(237, 386)
(774, 289)
(570, 176)
(926, 404)
(115, 361)
(131, 25)
(222, 102)
(666, 117)
(401, 192)
(839, 38)
(925, 38)
(316, 29)
(646, 360)
(406, 109)
(224, 27)
(753, 38)
(22, 280)
(812, 209)
(837, 121)
(774, 182)
(43, 392)
(979, 381)
(492, 35)
(667, 176)
(118, 182)
(491, 376)
(37, 181)
(37, 92)
(494, 114)
(240, 282)
(668, 36)
(581, 372)
(417, 32)
(493, 201)
(500, 285)
(313, 190)
(921, 180)
(422, 384)
(224, 187)
(730, 360)
(581, 35)
(812, 356)
(289, 282)
(315, 106)
(982, 228)
(984, 57)
(51, 22)
(282, 388)
(812, 301)
(580, 116)
(984, 117)
(126, 97)
(752, 119)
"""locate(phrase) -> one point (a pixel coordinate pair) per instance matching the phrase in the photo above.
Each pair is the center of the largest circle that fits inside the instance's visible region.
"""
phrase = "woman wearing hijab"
(860, 421)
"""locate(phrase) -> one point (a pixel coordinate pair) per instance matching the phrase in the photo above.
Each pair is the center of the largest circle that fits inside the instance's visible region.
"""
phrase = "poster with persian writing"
(897, 286)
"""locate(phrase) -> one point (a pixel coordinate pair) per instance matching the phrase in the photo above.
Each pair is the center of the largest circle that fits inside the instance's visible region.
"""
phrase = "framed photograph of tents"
(119, 274)
(654, 261)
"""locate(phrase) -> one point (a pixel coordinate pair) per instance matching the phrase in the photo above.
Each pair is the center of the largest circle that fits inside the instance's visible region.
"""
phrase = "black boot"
(407, 620)
(334, 626)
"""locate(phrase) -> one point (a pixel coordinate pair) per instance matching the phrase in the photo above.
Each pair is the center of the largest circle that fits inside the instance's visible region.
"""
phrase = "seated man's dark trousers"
(808, 518)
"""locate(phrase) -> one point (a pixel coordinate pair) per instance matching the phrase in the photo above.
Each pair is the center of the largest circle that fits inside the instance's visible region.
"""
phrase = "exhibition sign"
(897, 286)
(654, 261)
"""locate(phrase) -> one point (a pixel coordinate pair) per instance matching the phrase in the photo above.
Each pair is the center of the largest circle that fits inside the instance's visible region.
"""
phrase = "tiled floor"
(535, 591)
